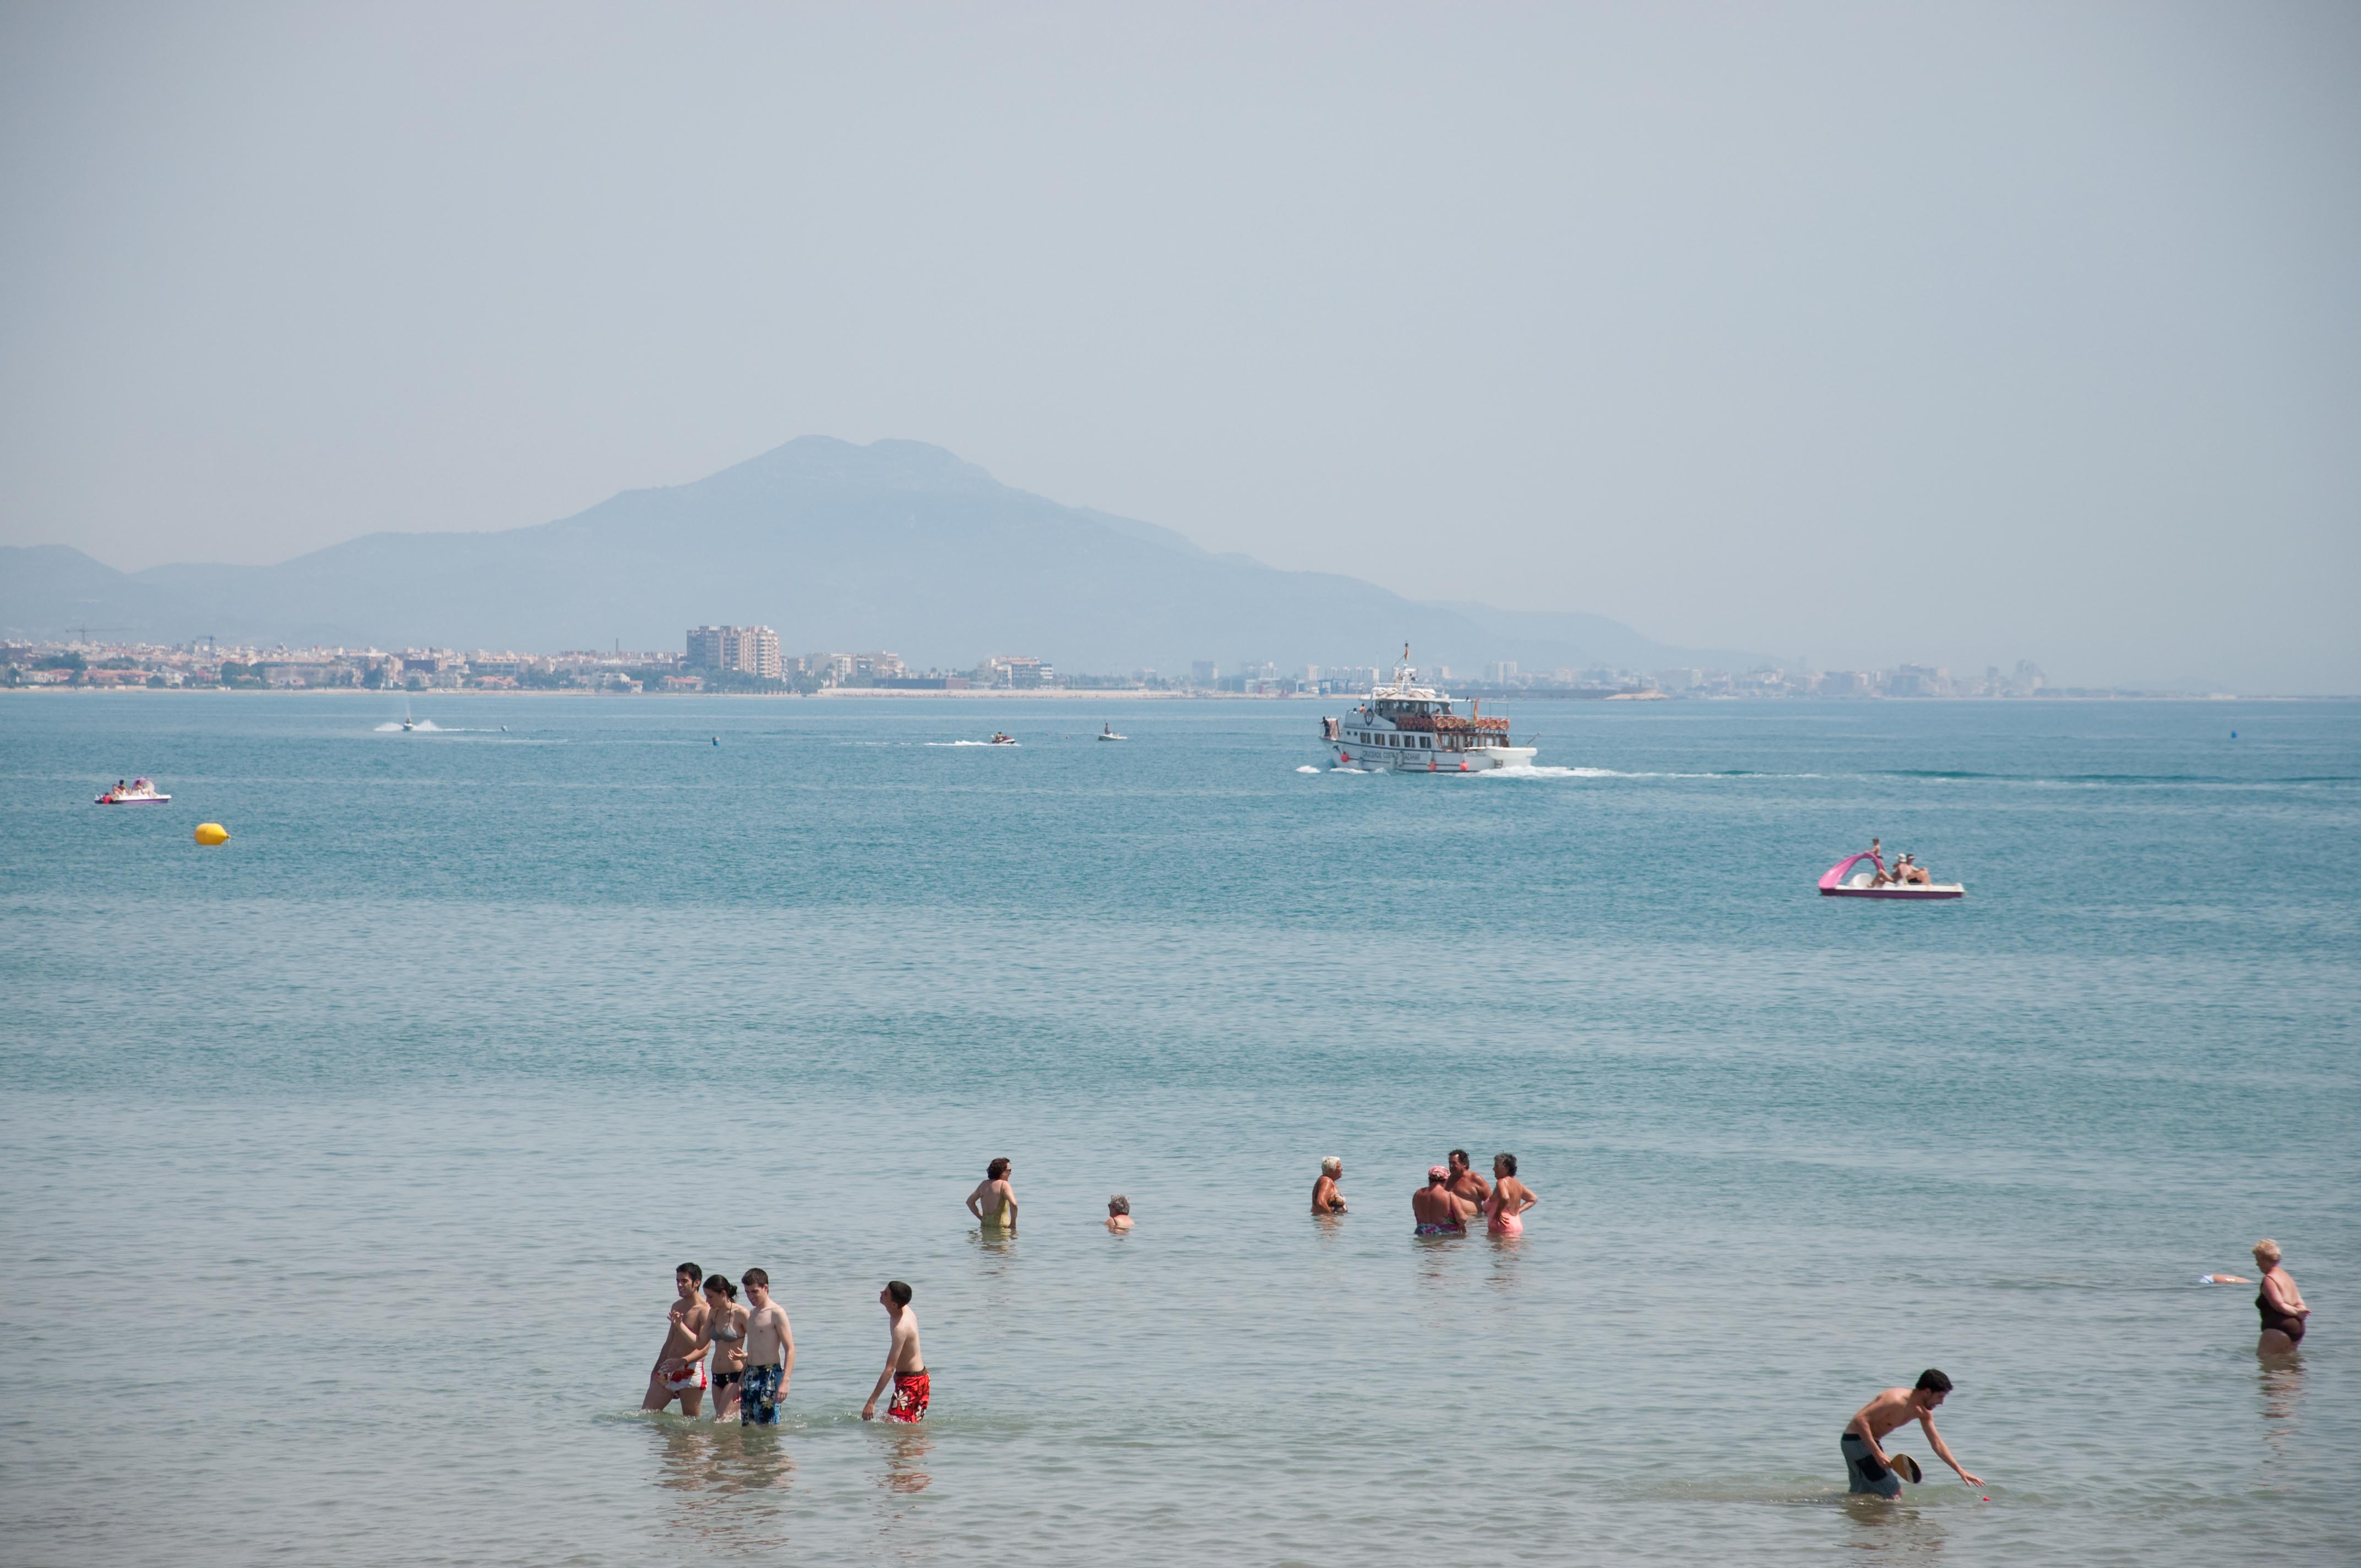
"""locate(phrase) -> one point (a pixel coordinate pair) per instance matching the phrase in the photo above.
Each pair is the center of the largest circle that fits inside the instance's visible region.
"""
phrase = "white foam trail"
(1307, 768)
(394, 728)
(970, 742)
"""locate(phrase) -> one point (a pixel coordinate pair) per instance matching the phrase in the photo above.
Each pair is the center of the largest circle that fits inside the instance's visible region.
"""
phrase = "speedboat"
(999, 739)
(1107, 733)
(138, 792)
(1841, 880)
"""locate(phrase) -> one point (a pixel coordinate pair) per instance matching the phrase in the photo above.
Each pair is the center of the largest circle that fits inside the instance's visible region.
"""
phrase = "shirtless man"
(904, 1364)
(679, 1371)
(1867, 1467)
(1439, 1211)
(994, 1201)
(770, 1353)
(1466, 1183)
(1327, 1198)
(1910, 870)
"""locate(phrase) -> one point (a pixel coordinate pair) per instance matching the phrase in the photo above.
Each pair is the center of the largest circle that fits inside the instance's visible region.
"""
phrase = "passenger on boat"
(1911, 871)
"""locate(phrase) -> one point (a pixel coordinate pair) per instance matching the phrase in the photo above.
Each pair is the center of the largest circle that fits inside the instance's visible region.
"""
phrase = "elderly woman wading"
(2281, 1303)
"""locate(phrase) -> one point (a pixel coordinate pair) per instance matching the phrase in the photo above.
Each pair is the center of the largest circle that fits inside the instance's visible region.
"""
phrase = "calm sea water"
(346, 1165)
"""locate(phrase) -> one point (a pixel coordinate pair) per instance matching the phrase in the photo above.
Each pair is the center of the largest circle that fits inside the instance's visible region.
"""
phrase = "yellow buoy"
(212, 833)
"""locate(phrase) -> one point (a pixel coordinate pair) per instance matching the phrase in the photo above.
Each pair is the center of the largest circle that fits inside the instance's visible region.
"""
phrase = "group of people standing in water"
(745, 1352)
(1453, 1196)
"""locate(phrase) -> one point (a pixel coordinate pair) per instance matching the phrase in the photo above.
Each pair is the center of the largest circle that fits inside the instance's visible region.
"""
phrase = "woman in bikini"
(2279, 1302)
(1510, 1198)
(725, 1330)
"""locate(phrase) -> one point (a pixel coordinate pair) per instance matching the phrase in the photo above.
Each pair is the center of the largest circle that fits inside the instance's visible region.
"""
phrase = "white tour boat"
(1406, 728)
(138, 792)
(1107, 733)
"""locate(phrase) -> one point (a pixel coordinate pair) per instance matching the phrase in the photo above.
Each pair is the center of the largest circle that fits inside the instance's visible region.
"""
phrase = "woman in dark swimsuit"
(2279, 1302)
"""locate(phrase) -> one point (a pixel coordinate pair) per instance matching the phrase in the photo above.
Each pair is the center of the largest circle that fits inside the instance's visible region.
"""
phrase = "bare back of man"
(1868, 1467)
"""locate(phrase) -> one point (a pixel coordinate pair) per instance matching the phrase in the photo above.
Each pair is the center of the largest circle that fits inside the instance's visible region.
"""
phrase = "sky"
(1851, 333)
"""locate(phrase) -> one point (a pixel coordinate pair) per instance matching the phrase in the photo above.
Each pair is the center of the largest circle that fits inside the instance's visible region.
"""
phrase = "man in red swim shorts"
(904, 1363)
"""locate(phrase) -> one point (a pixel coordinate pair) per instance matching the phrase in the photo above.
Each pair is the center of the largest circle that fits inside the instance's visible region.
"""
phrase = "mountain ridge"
(896, 544)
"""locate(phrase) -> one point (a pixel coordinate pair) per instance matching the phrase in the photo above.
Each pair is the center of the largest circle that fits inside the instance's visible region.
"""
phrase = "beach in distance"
(348, 1161)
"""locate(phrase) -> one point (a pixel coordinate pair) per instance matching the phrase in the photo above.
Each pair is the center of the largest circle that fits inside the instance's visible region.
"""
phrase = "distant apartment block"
(751, 650)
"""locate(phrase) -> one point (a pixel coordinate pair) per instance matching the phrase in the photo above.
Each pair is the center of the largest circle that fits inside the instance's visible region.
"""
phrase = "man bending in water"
(1867, 1466)
(904, 1364)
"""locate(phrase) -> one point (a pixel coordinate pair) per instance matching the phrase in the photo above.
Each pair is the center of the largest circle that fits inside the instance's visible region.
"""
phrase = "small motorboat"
(1841, 880)
(138, 792)
(1107, 733)
(1001, 738)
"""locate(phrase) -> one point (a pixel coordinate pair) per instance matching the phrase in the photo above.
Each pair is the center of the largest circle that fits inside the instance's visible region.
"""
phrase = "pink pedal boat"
(1841, 881)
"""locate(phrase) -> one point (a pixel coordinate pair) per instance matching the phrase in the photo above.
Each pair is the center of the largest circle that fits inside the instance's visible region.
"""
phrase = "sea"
(346, 1164)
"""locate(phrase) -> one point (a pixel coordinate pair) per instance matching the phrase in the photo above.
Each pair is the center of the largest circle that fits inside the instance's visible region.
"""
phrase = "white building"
(751, 650)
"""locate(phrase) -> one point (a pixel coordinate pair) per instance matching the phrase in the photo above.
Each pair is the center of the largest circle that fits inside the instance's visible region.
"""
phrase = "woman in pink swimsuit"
(1510, 1198)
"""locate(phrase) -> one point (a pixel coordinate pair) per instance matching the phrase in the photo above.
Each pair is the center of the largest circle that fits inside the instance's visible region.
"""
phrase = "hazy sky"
(1851, 333)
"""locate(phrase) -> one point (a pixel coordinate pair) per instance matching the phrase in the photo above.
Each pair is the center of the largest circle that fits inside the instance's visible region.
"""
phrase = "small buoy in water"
(212, 833)
(2234, 735)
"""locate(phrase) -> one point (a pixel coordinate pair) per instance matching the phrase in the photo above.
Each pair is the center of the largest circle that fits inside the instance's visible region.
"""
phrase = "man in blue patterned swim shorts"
(770, 1354)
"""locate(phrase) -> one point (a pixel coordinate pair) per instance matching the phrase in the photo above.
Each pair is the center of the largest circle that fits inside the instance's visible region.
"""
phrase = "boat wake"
(394, 728)
(1307, 768)
(986, 744)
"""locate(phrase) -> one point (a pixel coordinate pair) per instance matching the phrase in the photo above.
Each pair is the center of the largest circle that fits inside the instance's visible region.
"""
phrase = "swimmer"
(2279, 1302)
(770, 1353)
(1327, 1198)
(2223, 1279)
(1000, 1212)
(1509, 1200)
(1118, 1214)
(1868, 1467)
(1466, 1183)
(679, 1371)
(1439, 1211)
(911, 1387)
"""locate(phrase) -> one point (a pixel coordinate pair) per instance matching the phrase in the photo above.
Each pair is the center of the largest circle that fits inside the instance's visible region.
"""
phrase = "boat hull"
(134, 800)
(1385, 759)
(1936, 890)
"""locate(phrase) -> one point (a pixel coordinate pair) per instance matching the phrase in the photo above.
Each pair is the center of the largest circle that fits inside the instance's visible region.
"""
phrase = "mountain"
(896, 544)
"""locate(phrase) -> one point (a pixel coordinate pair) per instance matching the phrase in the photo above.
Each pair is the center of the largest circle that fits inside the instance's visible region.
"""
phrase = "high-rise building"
(751, 650)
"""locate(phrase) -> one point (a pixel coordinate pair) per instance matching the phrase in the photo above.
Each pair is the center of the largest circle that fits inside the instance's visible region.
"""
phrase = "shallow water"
(347, 1163)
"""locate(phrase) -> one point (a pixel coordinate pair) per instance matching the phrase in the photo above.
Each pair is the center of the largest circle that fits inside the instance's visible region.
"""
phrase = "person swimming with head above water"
(993, 1201)
(1118, 1214)
(1439, 1211)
